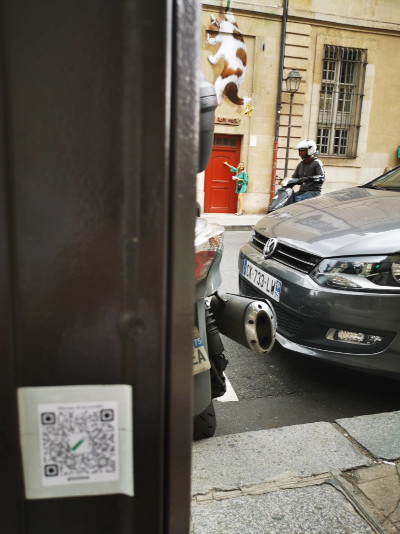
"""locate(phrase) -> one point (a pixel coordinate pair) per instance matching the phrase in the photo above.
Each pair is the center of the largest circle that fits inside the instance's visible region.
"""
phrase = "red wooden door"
(219, 188)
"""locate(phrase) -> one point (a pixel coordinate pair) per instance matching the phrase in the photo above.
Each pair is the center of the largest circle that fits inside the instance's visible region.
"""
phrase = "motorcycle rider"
(309, 173)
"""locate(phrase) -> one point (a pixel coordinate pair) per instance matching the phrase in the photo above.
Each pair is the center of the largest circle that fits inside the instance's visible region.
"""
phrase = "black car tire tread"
(205, 423)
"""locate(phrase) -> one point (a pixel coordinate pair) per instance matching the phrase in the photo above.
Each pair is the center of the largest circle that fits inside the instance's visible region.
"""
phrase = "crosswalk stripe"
(230, 394)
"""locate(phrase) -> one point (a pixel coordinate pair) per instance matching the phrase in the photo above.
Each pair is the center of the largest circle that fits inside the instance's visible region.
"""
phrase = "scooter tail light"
(204, 260)
(206, 249)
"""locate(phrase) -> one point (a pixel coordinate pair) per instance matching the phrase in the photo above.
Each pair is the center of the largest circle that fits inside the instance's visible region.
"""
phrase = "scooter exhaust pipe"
(252, 323)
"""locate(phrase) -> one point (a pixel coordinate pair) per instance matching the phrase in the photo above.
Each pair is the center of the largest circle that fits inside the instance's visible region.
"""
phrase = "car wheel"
(205, 423)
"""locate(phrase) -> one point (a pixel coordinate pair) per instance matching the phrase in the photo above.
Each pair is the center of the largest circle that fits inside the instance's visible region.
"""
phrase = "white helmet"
(308, 145)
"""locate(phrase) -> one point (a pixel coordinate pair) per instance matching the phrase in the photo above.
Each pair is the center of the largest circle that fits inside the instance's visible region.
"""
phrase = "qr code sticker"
(78, 442)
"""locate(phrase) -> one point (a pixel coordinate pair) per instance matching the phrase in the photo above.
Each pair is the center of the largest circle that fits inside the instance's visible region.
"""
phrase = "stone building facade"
(346, 53)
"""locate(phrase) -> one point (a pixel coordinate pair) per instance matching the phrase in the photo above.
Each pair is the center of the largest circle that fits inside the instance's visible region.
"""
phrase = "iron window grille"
(342, 91)
(224, 140)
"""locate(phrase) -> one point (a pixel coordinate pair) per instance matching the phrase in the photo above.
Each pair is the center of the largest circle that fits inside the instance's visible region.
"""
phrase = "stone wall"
(372, 25)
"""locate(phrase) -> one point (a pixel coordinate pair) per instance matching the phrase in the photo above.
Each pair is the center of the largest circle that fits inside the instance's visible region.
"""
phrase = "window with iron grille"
(342, 86)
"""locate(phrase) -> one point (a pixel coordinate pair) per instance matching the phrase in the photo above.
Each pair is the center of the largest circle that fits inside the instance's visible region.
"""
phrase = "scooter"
(249, 322)
(284, 196)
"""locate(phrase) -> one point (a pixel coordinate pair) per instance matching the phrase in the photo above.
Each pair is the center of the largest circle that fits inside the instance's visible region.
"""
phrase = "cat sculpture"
(233, 51)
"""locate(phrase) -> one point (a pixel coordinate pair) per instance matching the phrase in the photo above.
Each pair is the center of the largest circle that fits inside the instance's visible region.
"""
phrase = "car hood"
(354, 221)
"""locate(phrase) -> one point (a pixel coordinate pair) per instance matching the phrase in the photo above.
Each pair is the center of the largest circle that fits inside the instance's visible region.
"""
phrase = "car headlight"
(370, 273)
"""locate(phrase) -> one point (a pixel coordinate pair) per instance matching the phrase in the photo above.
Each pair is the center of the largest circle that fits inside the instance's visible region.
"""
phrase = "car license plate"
(263, 281)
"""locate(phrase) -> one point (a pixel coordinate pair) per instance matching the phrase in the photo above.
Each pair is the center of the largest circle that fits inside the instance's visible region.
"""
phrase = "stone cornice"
(305, 16)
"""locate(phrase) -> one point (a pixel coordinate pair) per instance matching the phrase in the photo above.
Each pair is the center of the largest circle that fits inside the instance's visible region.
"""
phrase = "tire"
(205, 424)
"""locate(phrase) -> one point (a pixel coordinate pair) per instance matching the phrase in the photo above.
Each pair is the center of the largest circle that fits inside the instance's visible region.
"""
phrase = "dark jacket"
(311, 175)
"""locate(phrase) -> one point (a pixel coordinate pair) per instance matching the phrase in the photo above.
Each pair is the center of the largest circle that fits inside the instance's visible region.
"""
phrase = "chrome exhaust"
(249, 322)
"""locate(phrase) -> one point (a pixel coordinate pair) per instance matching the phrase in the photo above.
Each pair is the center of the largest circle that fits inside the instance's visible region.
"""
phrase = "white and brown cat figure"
(233, 51)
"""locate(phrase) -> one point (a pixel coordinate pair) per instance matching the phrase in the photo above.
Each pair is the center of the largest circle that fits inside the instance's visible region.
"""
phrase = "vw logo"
(269, 247)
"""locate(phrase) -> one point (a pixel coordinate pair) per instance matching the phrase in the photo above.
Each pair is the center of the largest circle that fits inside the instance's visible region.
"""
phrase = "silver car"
(331, 268)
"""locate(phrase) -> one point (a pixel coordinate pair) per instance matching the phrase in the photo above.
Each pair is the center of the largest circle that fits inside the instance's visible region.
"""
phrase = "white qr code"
(78, 442)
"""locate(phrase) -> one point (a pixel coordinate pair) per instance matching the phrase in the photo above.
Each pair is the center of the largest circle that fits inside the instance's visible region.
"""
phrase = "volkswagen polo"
(331, 268)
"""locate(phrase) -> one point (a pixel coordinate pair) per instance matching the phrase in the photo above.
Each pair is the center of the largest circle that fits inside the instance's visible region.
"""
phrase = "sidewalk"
(317, 478)
(234, 222)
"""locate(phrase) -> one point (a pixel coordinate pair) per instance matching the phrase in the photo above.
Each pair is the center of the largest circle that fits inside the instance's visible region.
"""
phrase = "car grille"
(290, 256)
(288, 324)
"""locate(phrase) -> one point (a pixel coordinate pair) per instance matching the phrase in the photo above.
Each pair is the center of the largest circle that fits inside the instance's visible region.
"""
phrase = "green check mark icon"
(77, 444)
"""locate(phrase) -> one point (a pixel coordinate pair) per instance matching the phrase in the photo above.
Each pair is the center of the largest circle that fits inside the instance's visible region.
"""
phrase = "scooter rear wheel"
(205, 423)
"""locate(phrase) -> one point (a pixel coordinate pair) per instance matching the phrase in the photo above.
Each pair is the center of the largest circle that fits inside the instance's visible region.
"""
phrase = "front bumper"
(306, 311)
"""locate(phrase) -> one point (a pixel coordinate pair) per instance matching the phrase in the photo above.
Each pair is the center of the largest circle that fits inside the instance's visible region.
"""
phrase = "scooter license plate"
(200, 357)
(261, 280)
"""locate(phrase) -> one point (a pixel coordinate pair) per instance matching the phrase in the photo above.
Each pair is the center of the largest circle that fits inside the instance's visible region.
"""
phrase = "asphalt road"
(283, 388)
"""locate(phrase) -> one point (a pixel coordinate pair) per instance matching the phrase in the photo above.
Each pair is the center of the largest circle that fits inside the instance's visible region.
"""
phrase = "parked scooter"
(284, 196)
(252, 323)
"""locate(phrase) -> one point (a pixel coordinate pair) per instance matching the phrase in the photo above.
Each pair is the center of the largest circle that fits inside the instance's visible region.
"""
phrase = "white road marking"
(230, 394)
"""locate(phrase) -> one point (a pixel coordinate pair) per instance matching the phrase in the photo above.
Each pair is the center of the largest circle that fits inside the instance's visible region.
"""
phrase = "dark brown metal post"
(288, 134)
(99, 153)
(279, 98)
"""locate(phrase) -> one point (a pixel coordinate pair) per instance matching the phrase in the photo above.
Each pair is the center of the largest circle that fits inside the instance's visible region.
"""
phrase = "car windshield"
(389, 181)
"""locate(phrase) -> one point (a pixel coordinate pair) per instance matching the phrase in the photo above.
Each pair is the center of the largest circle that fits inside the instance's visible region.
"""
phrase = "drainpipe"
(279, 98)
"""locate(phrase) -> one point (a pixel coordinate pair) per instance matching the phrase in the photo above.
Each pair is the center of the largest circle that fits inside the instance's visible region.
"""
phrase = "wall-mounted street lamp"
(292, 86)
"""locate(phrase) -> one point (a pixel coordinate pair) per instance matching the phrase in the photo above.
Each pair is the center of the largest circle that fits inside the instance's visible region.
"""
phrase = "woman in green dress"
(241, 184)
